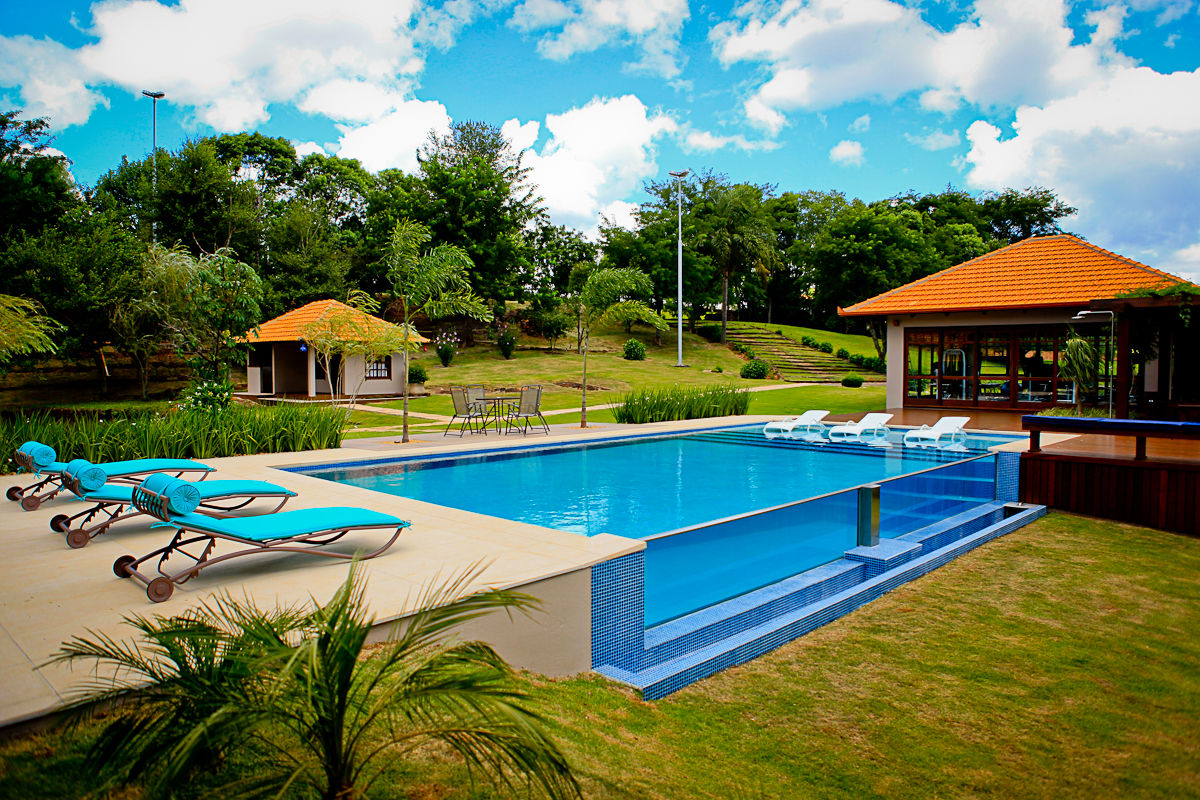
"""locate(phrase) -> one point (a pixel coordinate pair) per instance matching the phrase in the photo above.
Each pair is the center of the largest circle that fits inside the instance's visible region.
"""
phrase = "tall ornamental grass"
(679, 402)
(234, 431)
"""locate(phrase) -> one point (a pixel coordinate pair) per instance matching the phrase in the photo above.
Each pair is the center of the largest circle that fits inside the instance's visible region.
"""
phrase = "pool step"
(684, 650)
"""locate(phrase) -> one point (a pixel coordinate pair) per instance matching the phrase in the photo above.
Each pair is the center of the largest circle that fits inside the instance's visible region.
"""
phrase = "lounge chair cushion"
(209, 490)
(85, 475)
(287, 524)
(182, 497)
(122, 469)
(37, 455)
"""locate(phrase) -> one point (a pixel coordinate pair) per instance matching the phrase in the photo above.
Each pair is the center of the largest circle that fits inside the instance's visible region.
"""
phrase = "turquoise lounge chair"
(115, 501)
(42, 460)
(307, 530)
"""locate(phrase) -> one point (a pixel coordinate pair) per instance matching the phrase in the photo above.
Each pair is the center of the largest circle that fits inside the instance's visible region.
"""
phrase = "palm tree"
(739, 236)
(611, 296)
(299, 695)
(1077, 363)
(436, 284)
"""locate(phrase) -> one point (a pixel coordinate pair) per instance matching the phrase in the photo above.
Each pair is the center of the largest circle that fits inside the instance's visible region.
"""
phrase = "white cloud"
(392, 140)
(522, 137)
(50, 78)
(652, 25)
(861, 125)
(350, 100)
(935, 140)
(1125, 151)
(847, 153)
(697, 141)
(822, 53)
(309, 148)
(596, 156)
(229, 59)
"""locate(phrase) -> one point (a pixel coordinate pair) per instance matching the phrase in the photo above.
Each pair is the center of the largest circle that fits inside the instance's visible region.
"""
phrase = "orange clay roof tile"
(288, 327)
(1039, 272)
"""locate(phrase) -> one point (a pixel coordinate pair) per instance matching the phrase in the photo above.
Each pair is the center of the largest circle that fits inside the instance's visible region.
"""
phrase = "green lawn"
(851, 341)
(1058, 662)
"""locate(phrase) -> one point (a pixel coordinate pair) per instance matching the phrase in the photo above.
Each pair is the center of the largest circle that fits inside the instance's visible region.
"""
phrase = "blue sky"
(1098, 101)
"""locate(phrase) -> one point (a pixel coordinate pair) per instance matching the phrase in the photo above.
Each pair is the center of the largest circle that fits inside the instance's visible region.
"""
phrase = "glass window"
(922, 349)
(995, 380)
(958, 365)
(380, 369)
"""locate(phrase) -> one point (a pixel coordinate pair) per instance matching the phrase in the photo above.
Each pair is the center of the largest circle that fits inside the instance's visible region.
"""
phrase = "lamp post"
(678, 176)
(154, 98)
(1112, 319)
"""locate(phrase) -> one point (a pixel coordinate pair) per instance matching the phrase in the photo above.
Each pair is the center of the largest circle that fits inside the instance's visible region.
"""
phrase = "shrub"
(635, 350)
(710, 331)
(445, 344)
(506, 339)
(843, 353)
(744, 349)
(852, 381)
(717, 368)
(417, 373)
(825, 347)
(809, 341)
(875, 364)
(661, 405)
(779, 331)
(756, 369)
(857, 359)
(206, 396)
(234, 431)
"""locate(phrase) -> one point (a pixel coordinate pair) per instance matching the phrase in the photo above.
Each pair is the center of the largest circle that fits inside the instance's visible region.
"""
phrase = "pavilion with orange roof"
(281, 362)
(987, 333)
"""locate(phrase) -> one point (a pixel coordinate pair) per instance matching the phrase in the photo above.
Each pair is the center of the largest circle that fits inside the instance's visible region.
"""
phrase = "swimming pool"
(697, 498)
(642, 486)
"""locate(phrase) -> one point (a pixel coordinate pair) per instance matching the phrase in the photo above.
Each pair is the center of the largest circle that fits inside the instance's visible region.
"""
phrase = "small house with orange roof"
(988, 333)
(281, 360)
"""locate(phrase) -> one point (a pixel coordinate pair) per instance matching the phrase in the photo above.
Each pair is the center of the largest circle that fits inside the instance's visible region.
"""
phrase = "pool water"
(644, 486)
(648, 486)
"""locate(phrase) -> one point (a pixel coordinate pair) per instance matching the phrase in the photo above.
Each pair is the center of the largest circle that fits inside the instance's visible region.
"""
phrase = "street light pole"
(154, 98)
(1112, 351)
(678, 176)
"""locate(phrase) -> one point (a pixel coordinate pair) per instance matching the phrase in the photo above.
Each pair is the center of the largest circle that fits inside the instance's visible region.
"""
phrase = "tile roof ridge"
(1131, 262)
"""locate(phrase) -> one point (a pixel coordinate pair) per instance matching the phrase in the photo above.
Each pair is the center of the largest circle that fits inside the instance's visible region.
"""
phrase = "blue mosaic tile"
(618, 612)
(1008, 474)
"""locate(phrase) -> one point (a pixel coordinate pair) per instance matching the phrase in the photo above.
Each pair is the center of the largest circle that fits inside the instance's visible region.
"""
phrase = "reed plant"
(681, 402)
(234, 431)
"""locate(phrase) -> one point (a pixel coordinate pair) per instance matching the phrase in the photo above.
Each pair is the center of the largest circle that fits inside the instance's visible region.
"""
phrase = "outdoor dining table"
(495, 407)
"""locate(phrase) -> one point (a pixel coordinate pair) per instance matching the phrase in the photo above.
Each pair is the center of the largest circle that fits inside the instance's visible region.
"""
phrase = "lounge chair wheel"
(79, 538)
(59, 523)
(159, 589)
(31, 503)
(13, 493)
(120, 566)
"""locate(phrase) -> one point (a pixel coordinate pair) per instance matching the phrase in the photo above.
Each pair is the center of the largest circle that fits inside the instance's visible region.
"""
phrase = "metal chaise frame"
(161, 587)
(80, 536)
(31, 500)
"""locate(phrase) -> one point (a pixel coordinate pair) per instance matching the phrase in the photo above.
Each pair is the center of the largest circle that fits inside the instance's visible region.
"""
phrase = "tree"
(738, 237)
(35, 187)
(350, 331)
(612, 296)
(296, 691)
(225, 305)
(1077, 363)
(80, 270)
(555, 250)
(1015, 215)
(306, 258)
(147, 317)
(434, 283)
(24, 329)
(867, 250)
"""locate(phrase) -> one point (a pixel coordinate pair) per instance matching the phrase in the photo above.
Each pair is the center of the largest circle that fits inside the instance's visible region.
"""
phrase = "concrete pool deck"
(49, 593)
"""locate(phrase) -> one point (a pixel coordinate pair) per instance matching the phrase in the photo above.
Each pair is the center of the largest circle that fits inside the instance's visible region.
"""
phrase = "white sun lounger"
(871, 428)
(807, 423)
(946, 432)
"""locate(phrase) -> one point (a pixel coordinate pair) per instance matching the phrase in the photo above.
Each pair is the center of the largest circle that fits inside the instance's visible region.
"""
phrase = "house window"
(380, 369)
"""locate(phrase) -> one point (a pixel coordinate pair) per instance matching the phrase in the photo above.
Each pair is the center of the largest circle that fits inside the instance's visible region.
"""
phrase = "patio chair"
(946, 432)
(871, 429)
(41, 460)
(307, 530)
(808, 423)
(219, 498)
(470, 413)
(526, 409)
